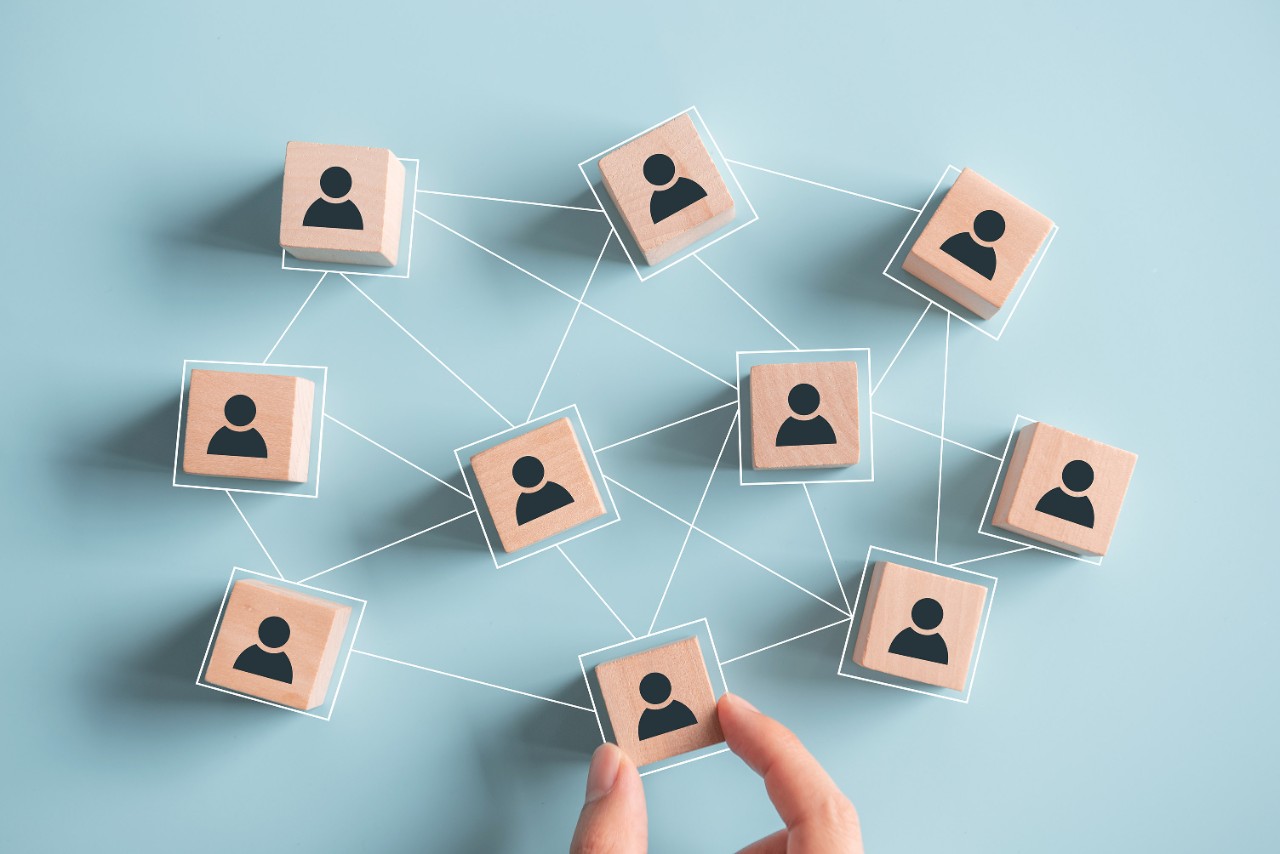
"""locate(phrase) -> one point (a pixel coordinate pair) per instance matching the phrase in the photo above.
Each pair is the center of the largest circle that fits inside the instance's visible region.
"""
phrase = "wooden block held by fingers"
(1063, 489)
(667, 189)
(278, 644)
(977, 244)
(248, 425)
(804, 415)
(342, 204)
(660, 701)
(537, 485)
(919, 625)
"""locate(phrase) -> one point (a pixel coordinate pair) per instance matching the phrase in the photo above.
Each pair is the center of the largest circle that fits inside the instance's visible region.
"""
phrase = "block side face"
(1013, 475)
(300, 447)
(393, 212)
(524, 515)
(341, 219)
(684, 719)
(919, 265)
(262, 447)
(823, 433)
(868, 608)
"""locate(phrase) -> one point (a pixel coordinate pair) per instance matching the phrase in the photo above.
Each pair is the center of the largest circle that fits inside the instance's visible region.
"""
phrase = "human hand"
(817, 817)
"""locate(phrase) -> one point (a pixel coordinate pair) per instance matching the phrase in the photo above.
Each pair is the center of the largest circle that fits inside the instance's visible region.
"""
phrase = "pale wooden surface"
(556, 445)
(316, 629)
(622, 171)
(377, 189)
(1035, 468)
(891, 593)
(283, 419)
(683, 664)
(837, 384)
(1025, 231)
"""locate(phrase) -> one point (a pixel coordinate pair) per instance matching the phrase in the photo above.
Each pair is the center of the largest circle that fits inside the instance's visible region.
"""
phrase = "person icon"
(1077, 476)
(273, 633)
(239, 410)
(528, 472)
(988, 227)
(803, 400)
(659, 169)
(335, 182)
(927, 614)
(655, 689)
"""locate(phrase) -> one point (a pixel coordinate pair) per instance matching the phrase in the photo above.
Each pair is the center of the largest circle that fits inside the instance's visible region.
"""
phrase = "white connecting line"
(256, 538)
(296, 314)
(665, 426)
(383, 548)
(827, 548)
(745, 302)
(902, 347)
(937, 436)
(942, 432)
(603, 601)
(823, 186)
(840, 622)
(509, 201)
(381, 447)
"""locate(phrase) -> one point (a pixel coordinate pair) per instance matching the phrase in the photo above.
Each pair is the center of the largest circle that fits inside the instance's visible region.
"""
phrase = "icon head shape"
(655, 689)
(804, 399)
(1077, 475)
(273, 632)
(988, 226)
(659, 169)
(927, 614)
(528, 472)
(240, 410)
(335, 182)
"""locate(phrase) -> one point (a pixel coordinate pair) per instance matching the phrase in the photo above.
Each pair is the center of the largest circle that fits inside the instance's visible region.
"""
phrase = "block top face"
(341, 197)
(804, 415)
(660, 701)
(537, 485)
(920, 625)
(248, 425)
(1064, 489)
(982, 238)
(277, 644)
(665, 184)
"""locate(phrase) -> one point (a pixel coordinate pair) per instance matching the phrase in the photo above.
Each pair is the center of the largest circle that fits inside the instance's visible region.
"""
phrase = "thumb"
(613, 819)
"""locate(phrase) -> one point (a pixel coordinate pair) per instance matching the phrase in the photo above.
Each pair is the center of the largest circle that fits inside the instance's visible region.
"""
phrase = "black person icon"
(803, 400)
(655, 689)
(240, 410)
(659, 169)
(1077, 476)
(273, 633)
(988, 227)
(528, 472)
(335, 182)
(927, 614)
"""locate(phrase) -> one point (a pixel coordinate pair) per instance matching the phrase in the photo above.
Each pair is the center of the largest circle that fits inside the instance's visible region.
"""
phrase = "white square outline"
(666, 265)
(1024, 282)
(217, 623)
(595, 708)
(871, 430)
(413, 216)
(182, 390)
(542, 545)
(977, 652)
(1027, 541)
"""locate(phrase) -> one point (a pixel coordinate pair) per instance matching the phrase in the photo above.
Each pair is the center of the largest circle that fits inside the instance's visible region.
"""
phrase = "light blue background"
(1126, 707)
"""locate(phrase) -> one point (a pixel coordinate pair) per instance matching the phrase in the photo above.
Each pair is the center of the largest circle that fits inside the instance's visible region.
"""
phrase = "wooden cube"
(977, 244)
(667, 189)
(342, 204)
(1063, 489)
(919, 625)
(278, 644)
(660, 701)
(804, 415)
(537, 485)
(248, 425)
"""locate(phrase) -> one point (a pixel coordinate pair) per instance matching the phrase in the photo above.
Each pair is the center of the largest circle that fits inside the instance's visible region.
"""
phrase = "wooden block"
(248, 425)
(342, 204)
(919, 625)
(278, 644)
(804, 415)
(667, 189)
(1063, 489)
(537, 485)
(660, 701)
(977, 244)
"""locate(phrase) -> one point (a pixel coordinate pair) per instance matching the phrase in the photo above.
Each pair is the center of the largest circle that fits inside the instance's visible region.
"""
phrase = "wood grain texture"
(556, 446)
(1025, 231)
(284, 413)
(682, 663)
(623, 173)
(892, 592)
(316, 630)
(377, 190)
(837, 386)
(1036, 469)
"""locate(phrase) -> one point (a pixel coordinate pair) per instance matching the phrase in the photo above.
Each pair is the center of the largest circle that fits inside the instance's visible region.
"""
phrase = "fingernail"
(605, 763)
(744, 703)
